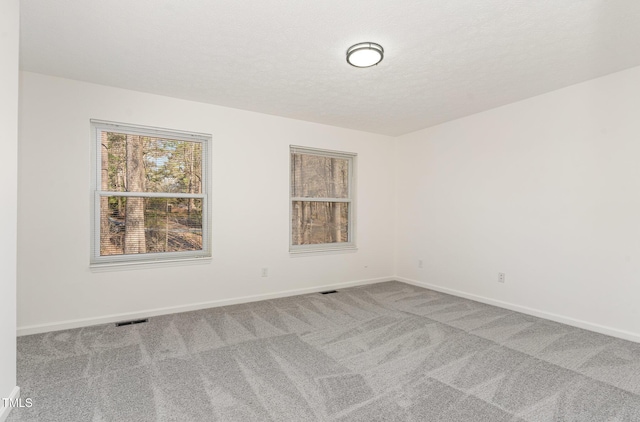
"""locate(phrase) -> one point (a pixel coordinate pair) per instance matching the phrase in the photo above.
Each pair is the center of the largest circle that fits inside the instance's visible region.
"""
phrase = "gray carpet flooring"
(383, 352)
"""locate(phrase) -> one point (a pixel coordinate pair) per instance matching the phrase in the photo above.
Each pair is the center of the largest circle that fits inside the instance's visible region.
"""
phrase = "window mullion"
(304, 199)
(152, 194)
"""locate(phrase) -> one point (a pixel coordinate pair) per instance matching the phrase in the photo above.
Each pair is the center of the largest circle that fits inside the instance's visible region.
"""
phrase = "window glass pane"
(314, 176)
(134, 163)
(134, 225)
(319, 222)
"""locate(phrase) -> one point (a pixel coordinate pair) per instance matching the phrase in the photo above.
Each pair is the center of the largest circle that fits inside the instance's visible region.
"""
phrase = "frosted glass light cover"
(365, 54)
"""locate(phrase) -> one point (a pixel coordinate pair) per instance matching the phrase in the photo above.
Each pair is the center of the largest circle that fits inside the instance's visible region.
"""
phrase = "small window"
(321, 200)
(151, 194)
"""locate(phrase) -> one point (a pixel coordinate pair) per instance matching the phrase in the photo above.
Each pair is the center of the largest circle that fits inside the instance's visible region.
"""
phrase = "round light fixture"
(365, 54)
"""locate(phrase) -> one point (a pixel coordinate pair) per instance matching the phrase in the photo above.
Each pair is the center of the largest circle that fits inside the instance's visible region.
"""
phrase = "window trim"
(152, 258)
(351, 200)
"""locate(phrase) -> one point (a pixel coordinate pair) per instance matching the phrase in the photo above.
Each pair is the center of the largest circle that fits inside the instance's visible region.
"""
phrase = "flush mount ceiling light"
(365, 54)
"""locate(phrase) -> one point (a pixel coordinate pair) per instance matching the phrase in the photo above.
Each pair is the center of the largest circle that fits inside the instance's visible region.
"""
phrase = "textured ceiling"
(444, 59)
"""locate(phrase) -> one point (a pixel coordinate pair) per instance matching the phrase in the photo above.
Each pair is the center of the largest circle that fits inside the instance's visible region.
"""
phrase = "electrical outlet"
(265, 272)
(501, 277)
(420, 263)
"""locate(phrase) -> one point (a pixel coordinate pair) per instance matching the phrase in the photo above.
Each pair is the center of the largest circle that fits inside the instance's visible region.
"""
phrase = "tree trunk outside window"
(134, 238)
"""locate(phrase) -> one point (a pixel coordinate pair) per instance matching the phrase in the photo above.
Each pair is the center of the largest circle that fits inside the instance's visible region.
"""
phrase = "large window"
(151, 201)
(321, 200)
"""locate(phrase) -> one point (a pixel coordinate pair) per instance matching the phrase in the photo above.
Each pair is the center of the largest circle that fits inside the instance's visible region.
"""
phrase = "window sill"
(323, 251)
(140, 265)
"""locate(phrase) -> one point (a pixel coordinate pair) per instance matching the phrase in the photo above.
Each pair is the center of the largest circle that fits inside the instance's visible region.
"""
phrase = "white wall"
(9, 34)
(546, 190)
(250, 206)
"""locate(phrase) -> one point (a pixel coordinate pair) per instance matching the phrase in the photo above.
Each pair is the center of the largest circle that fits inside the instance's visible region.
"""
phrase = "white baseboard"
(85, 322)
(4, 411)
(64, 325)
(614, 332)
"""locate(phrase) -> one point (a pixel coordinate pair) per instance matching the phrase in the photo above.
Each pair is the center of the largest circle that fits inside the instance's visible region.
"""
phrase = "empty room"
(320, 211)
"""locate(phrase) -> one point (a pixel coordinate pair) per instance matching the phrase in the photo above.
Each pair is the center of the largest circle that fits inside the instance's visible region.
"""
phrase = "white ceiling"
(444, 58)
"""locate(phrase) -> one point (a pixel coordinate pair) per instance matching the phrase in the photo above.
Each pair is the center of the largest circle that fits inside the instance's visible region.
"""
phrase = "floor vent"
(134, 321)
(328, 292)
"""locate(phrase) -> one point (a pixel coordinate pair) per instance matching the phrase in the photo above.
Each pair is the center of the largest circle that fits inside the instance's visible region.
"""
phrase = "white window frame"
(351, 200)
(97, 261)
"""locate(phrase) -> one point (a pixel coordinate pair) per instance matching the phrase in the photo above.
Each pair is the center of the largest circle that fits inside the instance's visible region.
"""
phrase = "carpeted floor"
(384, 352)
